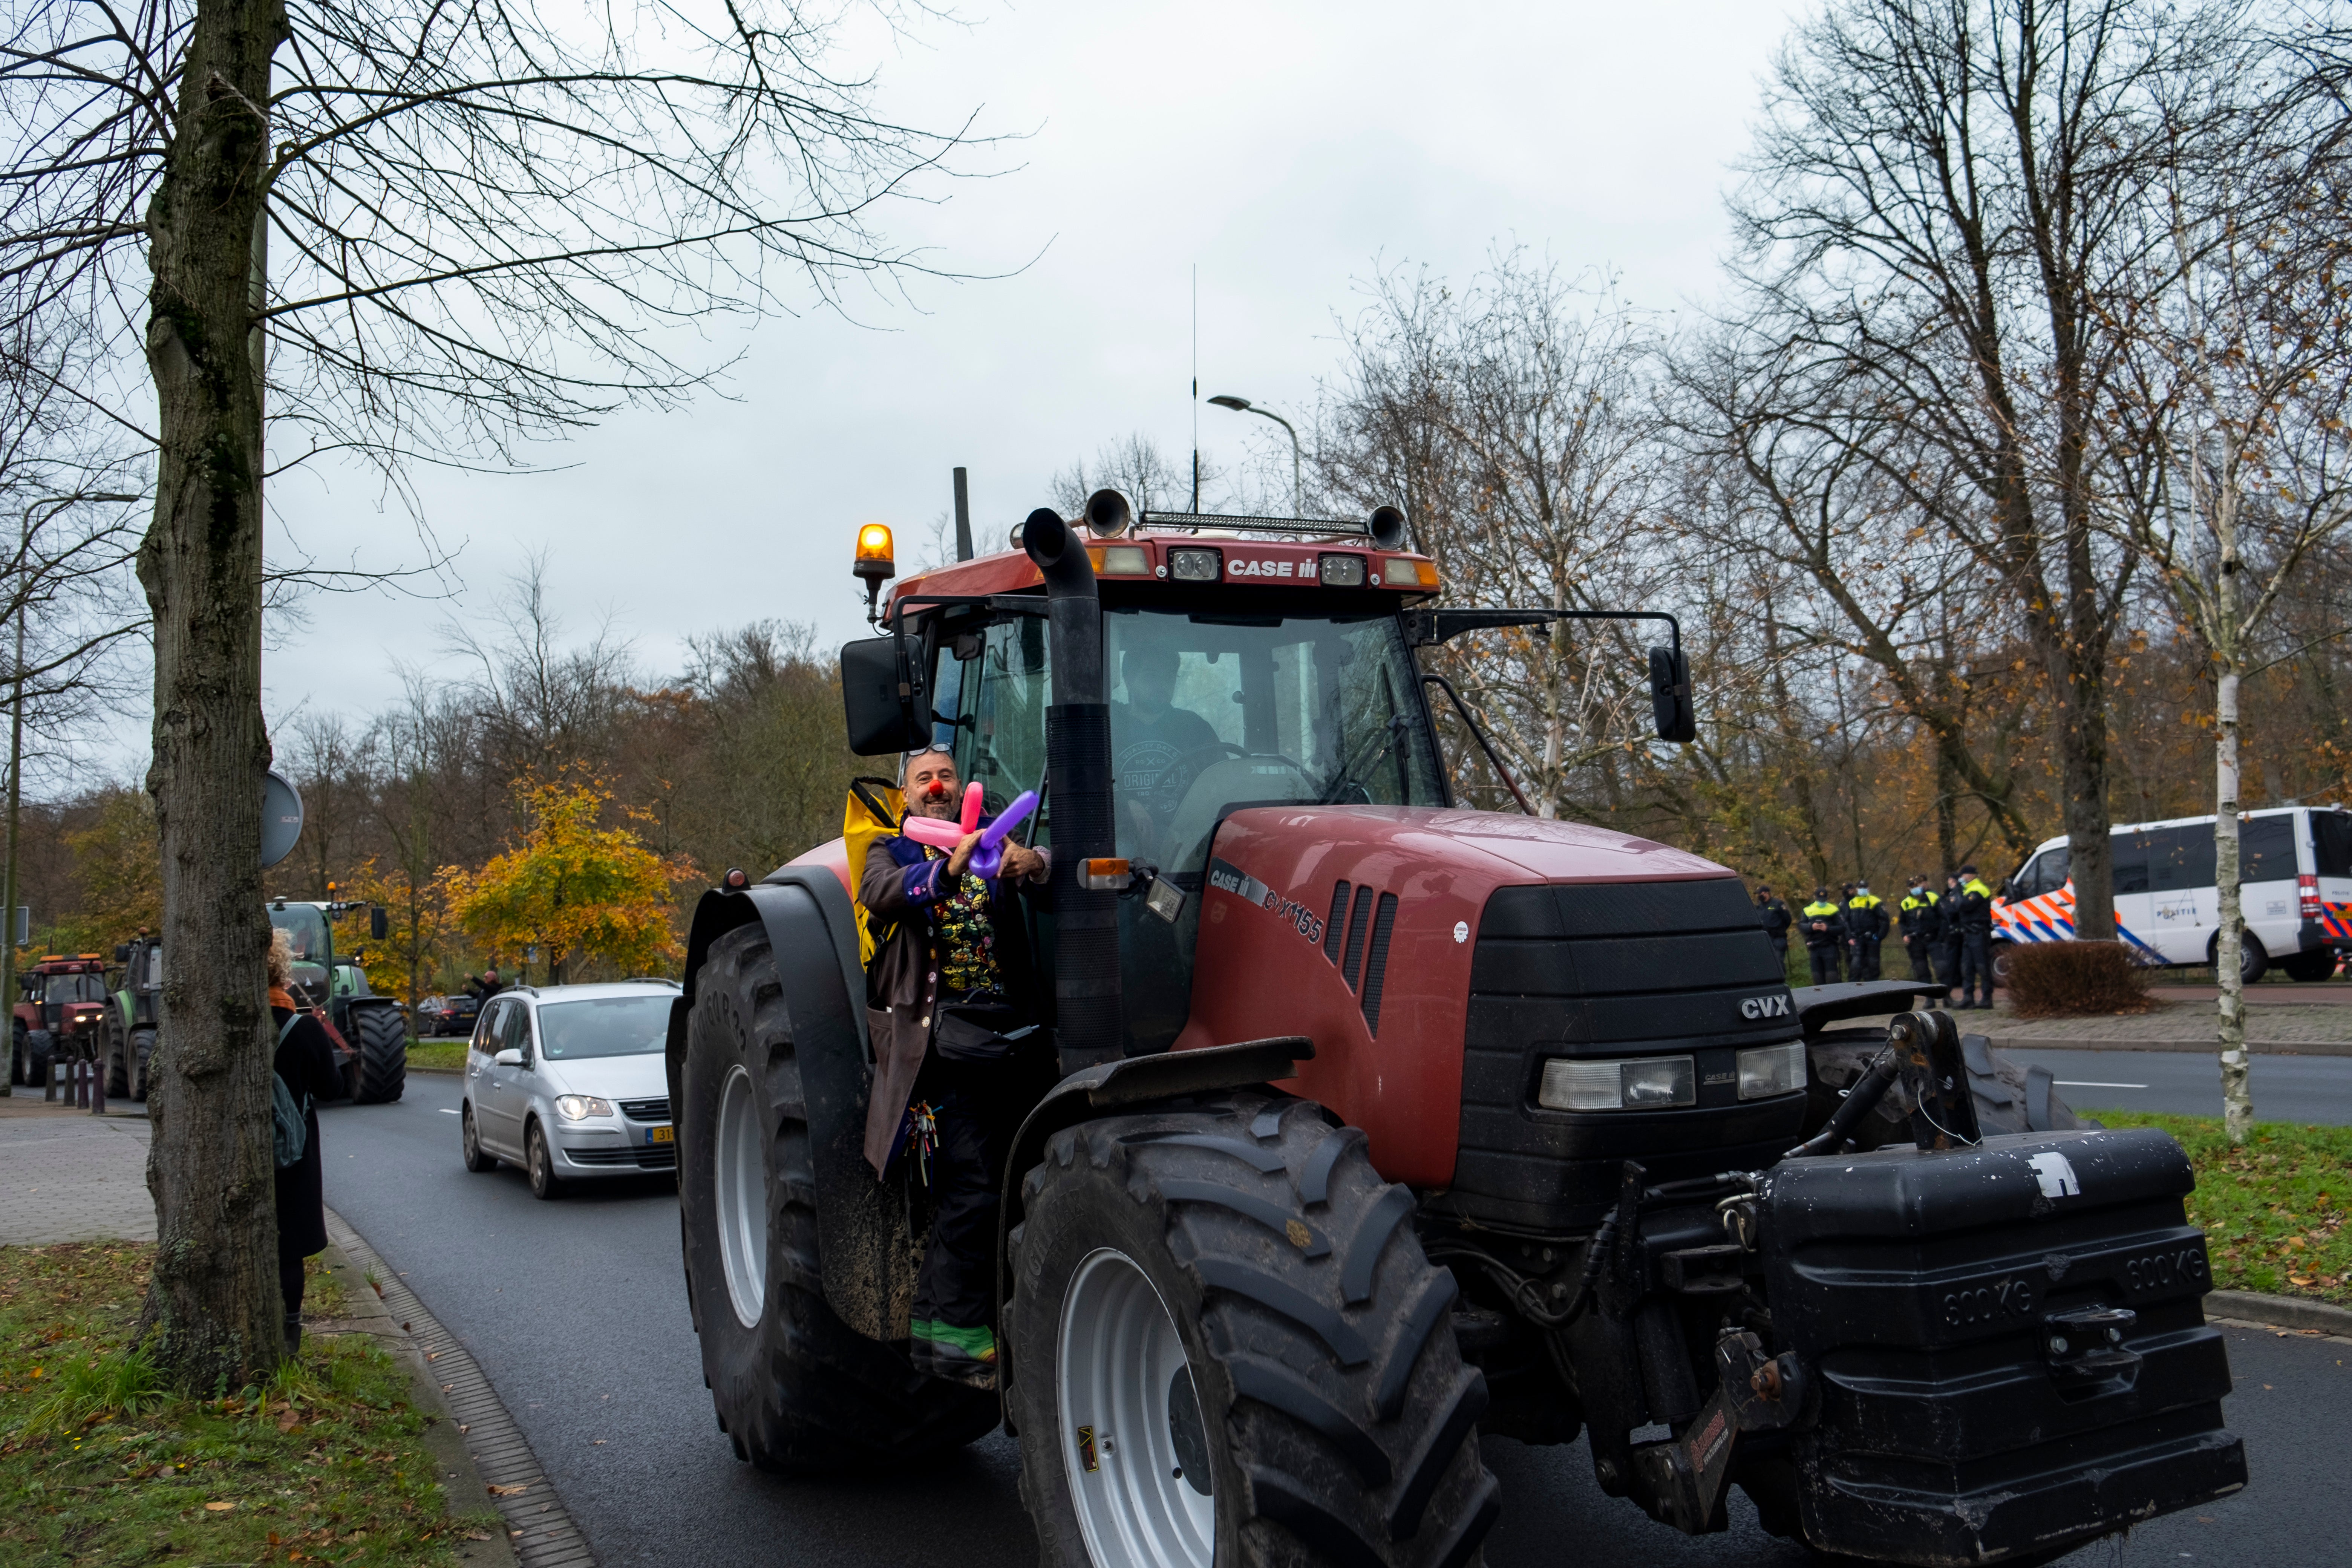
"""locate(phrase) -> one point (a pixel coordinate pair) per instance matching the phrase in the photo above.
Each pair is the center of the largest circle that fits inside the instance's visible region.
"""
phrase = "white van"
(2295, 887)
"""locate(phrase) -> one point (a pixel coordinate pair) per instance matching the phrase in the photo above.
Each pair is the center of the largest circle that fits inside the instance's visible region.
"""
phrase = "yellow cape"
(859, 828)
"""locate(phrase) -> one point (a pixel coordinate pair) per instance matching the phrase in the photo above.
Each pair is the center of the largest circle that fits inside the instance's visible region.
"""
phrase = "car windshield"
(605, 1027)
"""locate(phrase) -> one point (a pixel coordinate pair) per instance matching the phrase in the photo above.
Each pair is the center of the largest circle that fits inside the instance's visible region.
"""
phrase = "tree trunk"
(2228, 947)
(213, 1305)
(2083, 748)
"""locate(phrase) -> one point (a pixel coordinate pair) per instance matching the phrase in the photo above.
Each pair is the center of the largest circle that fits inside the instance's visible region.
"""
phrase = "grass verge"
(101, 1463)
(2273, 1210)
(437, 1056)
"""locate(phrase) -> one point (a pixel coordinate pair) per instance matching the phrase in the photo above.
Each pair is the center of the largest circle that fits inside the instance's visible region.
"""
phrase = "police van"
(2295, 887)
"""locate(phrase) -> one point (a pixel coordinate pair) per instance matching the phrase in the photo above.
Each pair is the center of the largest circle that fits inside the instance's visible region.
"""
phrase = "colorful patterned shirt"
(967, 948)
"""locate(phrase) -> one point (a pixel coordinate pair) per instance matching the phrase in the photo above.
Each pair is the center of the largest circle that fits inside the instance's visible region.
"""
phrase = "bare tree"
(1514, 421)
(2245, 375)
(1136, 467)
(477, 224)
(1950, 208)
(1797, 479)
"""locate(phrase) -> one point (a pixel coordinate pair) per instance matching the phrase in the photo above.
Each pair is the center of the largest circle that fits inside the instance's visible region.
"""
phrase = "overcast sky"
(1289, 151)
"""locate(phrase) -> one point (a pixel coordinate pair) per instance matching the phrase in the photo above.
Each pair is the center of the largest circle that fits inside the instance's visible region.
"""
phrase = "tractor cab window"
(307, 927)
(75, 988)
(999, 698)
(1213, 713)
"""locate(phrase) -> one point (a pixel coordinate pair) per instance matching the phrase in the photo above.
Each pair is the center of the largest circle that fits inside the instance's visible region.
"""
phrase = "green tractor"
(370, 1032)
(131, 1022)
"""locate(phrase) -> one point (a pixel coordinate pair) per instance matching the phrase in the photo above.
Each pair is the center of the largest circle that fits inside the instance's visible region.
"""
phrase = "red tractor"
(1376, 1123)
(62, 1002)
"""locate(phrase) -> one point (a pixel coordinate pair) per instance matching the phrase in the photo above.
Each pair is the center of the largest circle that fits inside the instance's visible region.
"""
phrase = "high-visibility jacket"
(1866, 917)
(1826, 915)
(1971, 914)
(1921, 917)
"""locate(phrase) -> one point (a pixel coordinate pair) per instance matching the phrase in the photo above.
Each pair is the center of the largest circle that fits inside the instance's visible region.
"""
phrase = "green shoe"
(958, 1355)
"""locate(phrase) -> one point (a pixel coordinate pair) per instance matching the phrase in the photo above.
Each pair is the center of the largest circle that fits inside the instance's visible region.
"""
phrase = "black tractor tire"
(381, 1037)
(1322, 1388)
(539, 1163)
(794, 1388)
(469, 1142)
(2310, 966)
(118, 1067)
(142, 1062)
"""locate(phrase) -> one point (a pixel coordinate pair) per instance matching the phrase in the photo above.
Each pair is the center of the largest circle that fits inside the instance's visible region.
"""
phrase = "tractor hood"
(1361, 927)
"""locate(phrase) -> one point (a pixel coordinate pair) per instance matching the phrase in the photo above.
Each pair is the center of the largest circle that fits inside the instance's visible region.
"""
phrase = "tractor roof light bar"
(1385, 529)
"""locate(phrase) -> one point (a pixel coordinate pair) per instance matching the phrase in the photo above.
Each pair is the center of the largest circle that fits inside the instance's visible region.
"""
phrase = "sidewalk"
(2298, 1029)
(66, 1175)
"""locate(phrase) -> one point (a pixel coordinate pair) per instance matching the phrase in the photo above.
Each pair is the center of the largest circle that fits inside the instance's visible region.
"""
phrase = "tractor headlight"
(580, 1107)
(1645, 1083)
(1768, 1071)
(1194, 565)
(1342, 571)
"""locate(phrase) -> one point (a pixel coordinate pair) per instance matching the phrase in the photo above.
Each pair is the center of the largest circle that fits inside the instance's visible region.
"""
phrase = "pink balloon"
(972, 807)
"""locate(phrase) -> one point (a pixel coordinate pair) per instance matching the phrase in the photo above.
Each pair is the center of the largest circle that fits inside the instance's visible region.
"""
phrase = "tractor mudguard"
(861, 1228)
(1131, 1084)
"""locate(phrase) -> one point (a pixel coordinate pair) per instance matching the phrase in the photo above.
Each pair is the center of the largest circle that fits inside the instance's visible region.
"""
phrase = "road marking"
(446, 1111)
(2061, 1082)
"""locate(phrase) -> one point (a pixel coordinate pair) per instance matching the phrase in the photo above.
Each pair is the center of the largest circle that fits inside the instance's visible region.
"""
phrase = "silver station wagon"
(568, 1082)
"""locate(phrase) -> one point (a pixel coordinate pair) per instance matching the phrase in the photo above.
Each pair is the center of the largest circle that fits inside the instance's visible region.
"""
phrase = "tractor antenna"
(1196, 387)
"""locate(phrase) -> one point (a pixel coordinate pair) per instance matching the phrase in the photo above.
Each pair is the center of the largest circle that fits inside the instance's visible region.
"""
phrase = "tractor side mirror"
(1670, 695)
(379, 922)
(121, 952)
(881, 693)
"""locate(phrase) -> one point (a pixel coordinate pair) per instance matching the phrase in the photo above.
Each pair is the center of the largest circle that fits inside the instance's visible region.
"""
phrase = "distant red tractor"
(1371, 1124)
(60, 999)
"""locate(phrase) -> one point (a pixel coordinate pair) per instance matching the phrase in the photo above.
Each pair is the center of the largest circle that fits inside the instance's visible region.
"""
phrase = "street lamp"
(16, 734)
(1297, 487)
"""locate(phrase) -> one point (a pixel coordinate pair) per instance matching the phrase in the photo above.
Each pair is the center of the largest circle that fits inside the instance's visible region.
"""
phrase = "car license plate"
(657, 1134)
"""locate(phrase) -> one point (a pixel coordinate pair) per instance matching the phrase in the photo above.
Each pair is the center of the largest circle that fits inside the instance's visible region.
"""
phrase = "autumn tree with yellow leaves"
(584, 893)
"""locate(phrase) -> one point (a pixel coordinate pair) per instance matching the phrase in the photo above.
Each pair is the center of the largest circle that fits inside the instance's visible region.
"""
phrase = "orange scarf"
(281, 997)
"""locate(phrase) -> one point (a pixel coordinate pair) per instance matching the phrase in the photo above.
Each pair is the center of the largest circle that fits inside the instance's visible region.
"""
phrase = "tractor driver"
(950, 1000)
(1150, 738)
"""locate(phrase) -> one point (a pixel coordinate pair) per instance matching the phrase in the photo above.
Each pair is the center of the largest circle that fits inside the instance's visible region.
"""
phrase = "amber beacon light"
(875, 564)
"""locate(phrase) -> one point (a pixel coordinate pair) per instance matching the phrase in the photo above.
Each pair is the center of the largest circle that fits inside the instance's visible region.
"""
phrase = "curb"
(2202, 1048)
(2280, 1312)
(461, 1482)
(541, 1530)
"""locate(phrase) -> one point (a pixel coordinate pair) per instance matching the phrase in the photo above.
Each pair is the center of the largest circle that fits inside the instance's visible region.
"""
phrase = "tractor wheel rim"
(1132, 1441)
(740, 1190)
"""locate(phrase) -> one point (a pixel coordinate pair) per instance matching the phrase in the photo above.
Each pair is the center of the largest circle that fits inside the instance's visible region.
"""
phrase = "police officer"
(1972, 913)
(1923, 924)
(1774, 913)
(1948, 936)
(1865, 928)
(1824, 929)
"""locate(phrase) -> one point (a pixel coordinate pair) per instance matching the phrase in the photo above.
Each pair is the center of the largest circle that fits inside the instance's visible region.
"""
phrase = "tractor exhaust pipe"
(1090, 1024)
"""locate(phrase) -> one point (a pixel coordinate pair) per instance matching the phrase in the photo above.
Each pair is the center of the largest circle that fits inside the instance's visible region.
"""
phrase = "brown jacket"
(902, 983)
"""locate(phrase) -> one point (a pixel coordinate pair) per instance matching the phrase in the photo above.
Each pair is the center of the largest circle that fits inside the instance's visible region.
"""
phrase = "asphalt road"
(2309, 1089)
(576, 1311)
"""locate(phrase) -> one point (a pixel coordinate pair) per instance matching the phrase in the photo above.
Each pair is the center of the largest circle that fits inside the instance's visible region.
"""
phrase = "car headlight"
(580, 1107)
(1768, 1071)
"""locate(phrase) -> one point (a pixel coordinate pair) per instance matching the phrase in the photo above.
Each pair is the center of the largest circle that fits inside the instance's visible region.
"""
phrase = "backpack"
(290, 1132)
